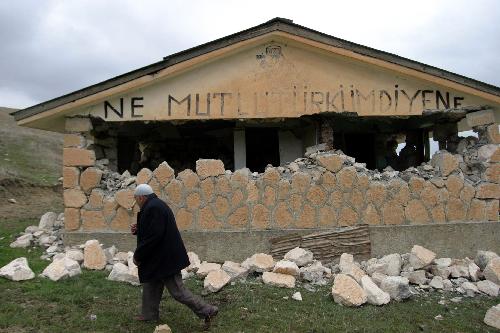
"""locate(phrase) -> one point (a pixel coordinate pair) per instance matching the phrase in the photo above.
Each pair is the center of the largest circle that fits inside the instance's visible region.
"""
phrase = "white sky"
(50, 48)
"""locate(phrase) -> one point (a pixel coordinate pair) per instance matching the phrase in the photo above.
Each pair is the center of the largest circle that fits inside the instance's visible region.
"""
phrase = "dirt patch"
(32, 200)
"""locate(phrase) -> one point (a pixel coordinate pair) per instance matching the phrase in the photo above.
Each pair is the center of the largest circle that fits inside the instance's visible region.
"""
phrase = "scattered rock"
(122, 273)
(286, 267)
(315, 273)
(235, 270)
(206, 267)
(346, 291)
(12, 201)
(483, 258)
(297, 296)
(421, 257)
(443, 262)
(194, 262)
(22, 241)
(397, 287)
(299, 256)
(75, 254)
(259, 262)
(492, 317)
(278, 280)
(489, 288)
(492, 270)
(162, 329)
(93, 255)
(47, 220)
(375, 295)
(61, 269)
(417, 277)
(215, 280)
(17, 270)
(437, 282)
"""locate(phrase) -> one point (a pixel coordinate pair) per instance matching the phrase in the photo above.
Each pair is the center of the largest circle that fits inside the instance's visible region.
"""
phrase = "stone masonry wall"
(321, 190)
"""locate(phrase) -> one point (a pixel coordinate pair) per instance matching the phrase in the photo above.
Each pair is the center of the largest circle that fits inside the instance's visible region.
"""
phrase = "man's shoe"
(142, 318)
(211, 316)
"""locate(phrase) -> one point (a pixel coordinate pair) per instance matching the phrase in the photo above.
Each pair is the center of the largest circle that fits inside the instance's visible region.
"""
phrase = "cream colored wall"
(281, 79)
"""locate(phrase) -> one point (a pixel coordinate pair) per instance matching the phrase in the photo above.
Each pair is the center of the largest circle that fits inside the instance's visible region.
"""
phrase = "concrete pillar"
(290, 147)
(240, 150)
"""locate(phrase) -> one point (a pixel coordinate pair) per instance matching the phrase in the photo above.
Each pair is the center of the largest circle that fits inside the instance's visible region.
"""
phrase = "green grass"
(40, 305)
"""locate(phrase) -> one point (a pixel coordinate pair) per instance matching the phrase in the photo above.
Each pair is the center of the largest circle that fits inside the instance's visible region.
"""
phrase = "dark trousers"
(153, 291)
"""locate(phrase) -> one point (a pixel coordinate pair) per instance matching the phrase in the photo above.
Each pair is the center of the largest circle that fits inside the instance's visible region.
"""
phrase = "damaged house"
(221, 132)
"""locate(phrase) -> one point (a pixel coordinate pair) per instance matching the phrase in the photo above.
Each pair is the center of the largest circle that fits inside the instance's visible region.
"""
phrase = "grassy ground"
(31, 155)
(40, 305)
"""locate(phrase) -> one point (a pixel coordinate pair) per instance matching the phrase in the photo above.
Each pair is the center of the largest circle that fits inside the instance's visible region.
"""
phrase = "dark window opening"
(262, 148)
(180, 146)
(361, 147)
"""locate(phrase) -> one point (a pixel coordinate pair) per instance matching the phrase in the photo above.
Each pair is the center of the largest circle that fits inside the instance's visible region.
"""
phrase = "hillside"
(30, 166)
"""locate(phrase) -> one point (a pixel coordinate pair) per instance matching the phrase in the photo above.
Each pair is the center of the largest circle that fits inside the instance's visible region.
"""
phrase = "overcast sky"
(50, 48)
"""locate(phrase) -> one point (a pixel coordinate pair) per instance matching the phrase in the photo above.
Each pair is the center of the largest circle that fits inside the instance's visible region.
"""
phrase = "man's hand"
(133, 229)
(135, 261)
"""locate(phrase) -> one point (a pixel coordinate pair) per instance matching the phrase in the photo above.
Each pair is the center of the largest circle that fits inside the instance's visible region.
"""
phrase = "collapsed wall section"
(323, 190)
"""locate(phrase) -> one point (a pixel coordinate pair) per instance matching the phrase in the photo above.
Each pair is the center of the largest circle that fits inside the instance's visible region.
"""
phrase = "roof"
(276, 24)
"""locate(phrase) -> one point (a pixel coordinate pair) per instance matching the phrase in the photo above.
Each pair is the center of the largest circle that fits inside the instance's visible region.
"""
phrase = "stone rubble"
(376, 281)
(492, 317)
(17, 270)
(162, 329)
(297, 296)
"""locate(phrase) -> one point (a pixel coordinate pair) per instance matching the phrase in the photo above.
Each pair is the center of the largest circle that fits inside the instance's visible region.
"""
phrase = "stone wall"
(325, 189)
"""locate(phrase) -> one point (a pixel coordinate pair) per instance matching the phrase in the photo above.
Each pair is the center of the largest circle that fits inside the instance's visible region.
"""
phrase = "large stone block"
(416, 213)
(478, 118)
(125, 198)
(73, 141)
(493, 134)
(121, 221)
(71, 177)
(93, 255)
(260, 217)
(209, 168)
(189, 179)
(164, 173)
(93, 220)
(488, 191)
(346, 291)
(78, 157)
(71, 219)
(90, 178)
(74, 198)
(144, 176)
(331, 162)
(445, 162)
(78, 124)
(492, 173)
(393, 213)
(239, 218)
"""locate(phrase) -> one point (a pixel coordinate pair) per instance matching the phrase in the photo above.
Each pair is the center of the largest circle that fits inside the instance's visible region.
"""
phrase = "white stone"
(121, 272)
(437, 282)
(22, 241)
(421, 257)
(300, 256)
(397, 287)
(347, 291)
(93, 255)
(75, 254)
(417, 277)
(259, 262)
(315, 273)
(194, 262)
(492, 270)
(459, 268)
(235, 270)
(483, 258)
(392, 264)
(62, 268)
(470, 288)
(121, 257)
(447, 285)
(286, 267)
(443, 262)
(132, 268)
(52, 249)
(17, 270)
(109, 253)
(47, 220)
(488, 287)
(215, 280)
(474, 271)
(297, 296)
(46, 240)
(441, 271)
(185, 274)
(374, 294)
(278, 280)
(31, 229)
(378, 278)
(206, 267)
(349, 267)
(162, 329)
(492, 317)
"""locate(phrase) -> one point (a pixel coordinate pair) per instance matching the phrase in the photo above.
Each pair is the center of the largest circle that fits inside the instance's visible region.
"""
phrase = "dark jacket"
(160, 250)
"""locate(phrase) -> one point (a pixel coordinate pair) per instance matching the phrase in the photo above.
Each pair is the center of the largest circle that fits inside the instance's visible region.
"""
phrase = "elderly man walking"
(160, 256)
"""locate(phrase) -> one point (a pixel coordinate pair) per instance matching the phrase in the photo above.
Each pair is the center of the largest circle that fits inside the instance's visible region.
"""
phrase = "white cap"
(143, 189)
